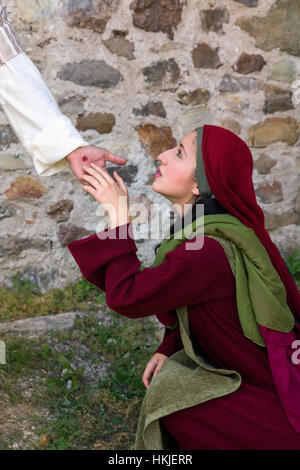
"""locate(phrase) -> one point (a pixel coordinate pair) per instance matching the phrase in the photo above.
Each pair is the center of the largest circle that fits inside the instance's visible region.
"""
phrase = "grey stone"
(249, 63)
(101, 122)
(231, 124)
(277, 99)
(71, 106)
(274, 129)
(68, 233)
(270, 192)
(91, 73)
(32, 11)
(157, 15)
(120, 46)
(47, 279)
(248, 3)
(250, 83)
(280, 28)
(274, 221)
(229, 83)
(154, 139)
(264, 164)
(14, 162)
(213, 19)
(89, 14)
(157, 72)
(234, 84)
(11, 245)
(29, 274)
(155, 108)
(7, 136)
(61, 210)
(284, 71)
(204, 56)
(40, 325)
(127, 172)
(76, 5)
(7, 210)
(236, 104)
(195, 117)
(198, 96)
(297, 203)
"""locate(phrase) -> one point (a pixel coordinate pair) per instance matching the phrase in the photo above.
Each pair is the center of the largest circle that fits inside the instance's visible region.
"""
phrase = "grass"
(293, 262)
(84, 414)
(24, 300)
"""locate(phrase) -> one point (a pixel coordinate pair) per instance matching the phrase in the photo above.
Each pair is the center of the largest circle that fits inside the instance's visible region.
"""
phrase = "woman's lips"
(158, 173)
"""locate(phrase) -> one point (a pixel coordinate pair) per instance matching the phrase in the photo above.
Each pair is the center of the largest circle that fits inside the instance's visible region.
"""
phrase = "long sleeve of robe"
(251, 417)
(47, 135)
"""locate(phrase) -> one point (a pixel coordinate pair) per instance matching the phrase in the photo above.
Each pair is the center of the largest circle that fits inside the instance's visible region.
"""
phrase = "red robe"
(250, 418)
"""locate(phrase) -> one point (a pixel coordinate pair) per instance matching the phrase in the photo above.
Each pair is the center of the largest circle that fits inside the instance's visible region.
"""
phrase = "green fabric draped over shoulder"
(261, 295)
(189, 377)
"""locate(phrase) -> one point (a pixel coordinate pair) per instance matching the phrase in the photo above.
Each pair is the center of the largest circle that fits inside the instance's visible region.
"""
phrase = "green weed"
(25, 300)
(293, 262)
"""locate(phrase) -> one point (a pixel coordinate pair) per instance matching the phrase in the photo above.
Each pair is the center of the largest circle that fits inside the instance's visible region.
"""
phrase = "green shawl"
(261, 295)
(261, 298)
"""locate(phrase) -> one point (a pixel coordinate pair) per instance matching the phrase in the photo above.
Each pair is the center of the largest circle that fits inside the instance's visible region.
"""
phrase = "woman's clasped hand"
(111, 194)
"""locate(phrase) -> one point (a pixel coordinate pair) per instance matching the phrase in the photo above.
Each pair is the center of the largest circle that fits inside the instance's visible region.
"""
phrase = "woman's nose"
(162, 158)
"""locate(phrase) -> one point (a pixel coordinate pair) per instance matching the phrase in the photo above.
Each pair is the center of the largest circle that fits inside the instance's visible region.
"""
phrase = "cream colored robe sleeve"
(44, 131)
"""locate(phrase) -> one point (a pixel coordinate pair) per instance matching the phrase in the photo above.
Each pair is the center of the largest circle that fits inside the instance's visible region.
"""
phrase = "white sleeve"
(45, 132)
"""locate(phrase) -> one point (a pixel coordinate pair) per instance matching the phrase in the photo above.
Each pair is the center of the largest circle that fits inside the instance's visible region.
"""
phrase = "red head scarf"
(228, 166)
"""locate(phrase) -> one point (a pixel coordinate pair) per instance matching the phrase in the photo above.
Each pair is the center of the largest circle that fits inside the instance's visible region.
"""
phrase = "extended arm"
(47, 135)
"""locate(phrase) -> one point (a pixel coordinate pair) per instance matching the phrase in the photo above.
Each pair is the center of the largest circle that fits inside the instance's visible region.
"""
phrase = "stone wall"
(134, 77)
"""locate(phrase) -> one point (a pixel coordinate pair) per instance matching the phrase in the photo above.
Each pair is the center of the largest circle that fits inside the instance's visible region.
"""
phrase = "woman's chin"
(154, 187)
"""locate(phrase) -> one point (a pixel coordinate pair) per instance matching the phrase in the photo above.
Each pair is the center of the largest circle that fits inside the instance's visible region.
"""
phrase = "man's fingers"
(114, 158)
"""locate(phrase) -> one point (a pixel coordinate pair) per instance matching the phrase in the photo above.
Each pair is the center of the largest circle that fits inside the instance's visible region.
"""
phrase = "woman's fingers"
(91, 180)
(89, 189)
(153, 367)
(102, 172)
(120, 181)
(96, 172)
(149, 371)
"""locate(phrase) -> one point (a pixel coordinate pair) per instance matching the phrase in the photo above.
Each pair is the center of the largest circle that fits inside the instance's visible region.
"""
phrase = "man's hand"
(84, 156)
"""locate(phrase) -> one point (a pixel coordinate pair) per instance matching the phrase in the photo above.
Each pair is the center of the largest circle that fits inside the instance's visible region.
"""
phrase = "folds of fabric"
(193, 379)
(264, 313)
(9, 42)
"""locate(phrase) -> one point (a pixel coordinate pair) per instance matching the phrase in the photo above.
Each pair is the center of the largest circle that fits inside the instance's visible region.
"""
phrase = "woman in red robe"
(253, 416)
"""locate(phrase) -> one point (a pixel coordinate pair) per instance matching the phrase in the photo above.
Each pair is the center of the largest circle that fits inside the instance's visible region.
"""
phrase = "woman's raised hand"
(111, 193)
(153, 367)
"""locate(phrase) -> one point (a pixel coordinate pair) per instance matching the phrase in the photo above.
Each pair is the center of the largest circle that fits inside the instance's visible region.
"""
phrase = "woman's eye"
(179, 154)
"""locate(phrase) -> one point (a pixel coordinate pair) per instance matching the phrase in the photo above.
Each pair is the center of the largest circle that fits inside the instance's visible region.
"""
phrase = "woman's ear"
(196, 191)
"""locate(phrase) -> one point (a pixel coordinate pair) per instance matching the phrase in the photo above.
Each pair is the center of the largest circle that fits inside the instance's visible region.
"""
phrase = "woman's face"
(177, 168)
